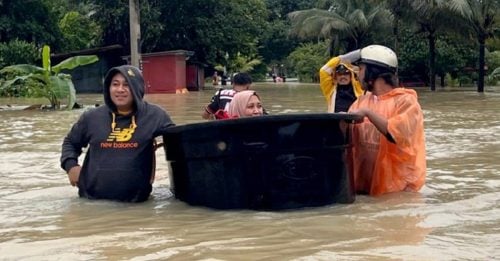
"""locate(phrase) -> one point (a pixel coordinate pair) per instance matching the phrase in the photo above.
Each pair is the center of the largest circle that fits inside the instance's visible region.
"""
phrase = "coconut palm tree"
(483, 17)
(351, 22)
(399, 10)
(432, 17)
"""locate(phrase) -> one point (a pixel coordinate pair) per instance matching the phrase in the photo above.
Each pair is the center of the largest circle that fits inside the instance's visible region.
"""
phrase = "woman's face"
(254, 107)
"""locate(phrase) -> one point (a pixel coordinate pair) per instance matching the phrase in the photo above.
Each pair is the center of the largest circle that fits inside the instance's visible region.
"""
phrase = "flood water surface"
(456, 216)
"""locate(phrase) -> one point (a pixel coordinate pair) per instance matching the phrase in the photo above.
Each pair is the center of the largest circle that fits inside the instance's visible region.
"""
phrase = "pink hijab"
(239, 103)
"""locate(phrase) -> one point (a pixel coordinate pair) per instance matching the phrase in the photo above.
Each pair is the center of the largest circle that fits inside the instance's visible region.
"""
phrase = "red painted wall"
(164, 72)
(195, 77)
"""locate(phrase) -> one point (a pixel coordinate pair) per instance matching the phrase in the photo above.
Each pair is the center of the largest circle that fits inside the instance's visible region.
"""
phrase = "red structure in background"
(195, 76)
(166, 72)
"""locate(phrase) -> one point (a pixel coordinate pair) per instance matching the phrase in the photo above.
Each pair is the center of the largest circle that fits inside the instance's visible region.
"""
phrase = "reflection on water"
(456, 215)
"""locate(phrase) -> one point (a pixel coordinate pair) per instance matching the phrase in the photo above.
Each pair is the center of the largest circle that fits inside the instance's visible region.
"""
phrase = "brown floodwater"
(456, 216)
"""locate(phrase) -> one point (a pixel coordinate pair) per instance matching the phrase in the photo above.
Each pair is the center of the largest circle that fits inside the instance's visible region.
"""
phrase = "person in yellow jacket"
(388, 145)
(338, 82)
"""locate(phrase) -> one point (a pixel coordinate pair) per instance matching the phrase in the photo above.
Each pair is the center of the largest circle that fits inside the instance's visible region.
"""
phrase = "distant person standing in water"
(222, 98)
(119, 162)
(215, 79)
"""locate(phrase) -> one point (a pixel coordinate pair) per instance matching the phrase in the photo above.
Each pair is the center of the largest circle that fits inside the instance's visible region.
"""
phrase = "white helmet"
(381, 56)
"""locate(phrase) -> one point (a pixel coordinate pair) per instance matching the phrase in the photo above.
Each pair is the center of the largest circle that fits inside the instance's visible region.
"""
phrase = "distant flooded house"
(164, 72)
(195, 75)
(89, 78)
(172, 72)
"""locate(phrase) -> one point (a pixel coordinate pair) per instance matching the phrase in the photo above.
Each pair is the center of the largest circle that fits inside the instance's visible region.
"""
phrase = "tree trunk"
(397, 7)
(135, 33)
(395, 31)
(432, 61)
(480, 80)
(331, 49)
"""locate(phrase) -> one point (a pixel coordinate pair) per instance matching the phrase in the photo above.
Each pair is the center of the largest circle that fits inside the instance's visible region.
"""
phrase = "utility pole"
(135, 32)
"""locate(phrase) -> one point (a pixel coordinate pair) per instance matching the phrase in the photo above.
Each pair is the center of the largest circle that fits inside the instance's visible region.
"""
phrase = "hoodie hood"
(135, 81)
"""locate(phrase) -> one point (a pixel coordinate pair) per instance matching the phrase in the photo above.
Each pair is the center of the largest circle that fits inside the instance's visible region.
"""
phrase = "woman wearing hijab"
(245, 104)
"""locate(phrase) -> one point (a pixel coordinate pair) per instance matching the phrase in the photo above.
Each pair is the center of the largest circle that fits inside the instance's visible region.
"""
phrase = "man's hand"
(74, 175)
(363, 112)
(377, 120)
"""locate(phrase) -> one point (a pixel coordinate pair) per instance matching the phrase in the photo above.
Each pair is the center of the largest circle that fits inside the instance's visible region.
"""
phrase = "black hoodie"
(119, 161)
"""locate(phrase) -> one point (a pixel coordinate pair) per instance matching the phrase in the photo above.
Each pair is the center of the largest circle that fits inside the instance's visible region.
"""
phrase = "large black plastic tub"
(263, 163)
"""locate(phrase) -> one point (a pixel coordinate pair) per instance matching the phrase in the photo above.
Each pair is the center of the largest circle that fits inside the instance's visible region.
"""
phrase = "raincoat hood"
(397, 92)
(328, 83)
(135, 81)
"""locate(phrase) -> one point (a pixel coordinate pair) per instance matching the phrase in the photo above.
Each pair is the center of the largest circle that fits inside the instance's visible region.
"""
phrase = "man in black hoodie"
(119, 162)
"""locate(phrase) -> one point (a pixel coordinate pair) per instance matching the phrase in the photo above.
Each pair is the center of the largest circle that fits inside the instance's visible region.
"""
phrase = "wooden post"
(135, 32)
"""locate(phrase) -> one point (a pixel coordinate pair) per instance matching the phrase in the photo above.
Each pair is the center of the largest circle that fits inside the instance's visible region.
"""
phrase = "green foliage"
(18, 52)
(210, 28)
(351, 23)
(259, 29)
(412, 54)
(31, 87)
(79, 31)
(494, 43)
(242, 63)
(452, 55)
(77, 23)
(450, 81)
(113, 18)
(464, 80)
(259, 72)
(493, 60)
(276, 43)
(492, 81)
(278, 9)
(483, 18)
(49, 82)
(306, 61)
(494, 77)
(30, 21)
(58, 8)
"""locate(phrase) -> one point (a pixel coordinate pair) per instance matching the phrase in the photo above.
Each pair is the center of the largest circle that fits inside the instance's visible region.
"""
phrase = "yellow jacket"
(379, 165)
(329, 86)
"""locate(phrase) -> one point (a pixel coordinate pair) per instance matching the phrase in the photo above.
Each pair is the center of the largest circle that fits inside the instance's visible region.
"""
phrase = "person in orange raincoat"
(339, 84)
(388, 152)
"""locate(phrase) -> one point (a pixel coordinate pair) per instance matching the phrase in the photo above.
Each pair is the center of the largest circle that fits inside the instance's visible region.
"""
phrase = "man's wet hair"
(242, 79)
(375, 71)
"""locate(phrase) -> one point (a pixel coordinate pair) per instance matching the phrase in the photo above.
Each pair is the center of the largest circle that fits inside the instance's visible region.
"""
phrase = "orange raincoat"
(379, 165)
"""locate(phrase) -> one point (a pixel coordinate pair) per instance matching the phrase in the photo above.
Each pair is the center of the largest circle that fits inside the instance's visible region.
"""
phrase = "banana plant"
(55, 85)
(240, 63)
(495, 74)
